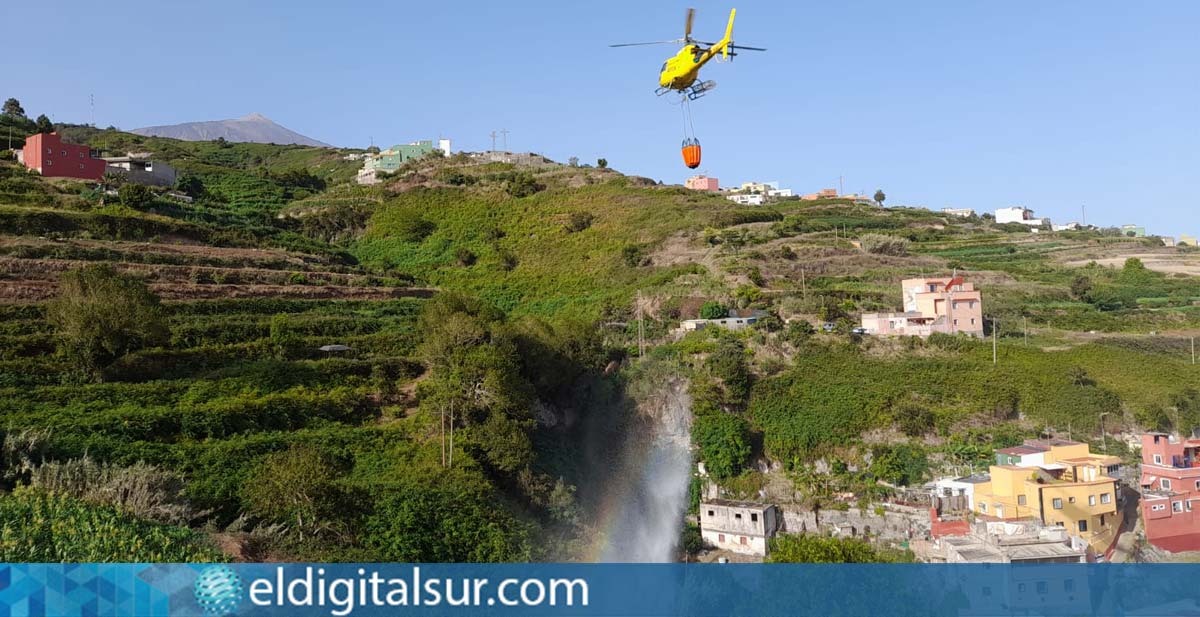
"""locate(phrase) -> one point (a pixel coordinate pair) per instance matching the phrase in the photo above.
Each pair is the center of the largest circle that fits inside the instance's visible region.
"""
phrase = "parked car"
(859, 330)
(829, 326)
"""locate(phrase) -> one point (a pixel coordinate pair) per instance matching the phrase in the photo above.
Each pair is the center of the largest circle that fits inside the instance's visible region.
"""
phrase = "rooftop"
(1022, 450)
(730, 503)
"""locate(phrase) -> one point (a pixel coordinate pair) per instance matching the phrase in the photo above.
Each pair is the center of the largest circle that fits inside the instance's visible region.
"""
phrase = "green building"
(391, 159)
(1137, 231)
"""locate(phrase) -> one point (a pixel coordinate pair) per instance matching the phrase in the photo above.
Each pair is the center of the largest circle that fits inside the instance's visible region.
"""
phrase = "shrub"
(464, 257)
(632, 255)
(101, 315)
(724, 443)
(136, 196)
(578, 221)
(794, 548)
(522, 185)
(881, 244)
(294, 487)
(713, 310)
(42, 527)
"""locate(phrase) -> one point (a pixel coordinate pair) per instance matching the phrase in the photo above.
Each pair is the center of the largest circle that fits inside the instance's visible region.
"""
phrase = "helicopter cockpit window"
(664, 68)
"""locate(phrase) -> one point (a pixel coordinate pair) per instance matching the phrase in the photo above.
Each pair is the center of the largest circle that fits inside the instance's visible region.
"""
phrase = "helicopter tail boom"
(725, 42)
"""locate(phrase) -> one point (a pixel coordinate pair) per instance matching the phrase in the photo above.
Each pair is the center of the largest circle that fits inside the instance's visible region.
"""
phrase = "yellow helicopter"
(681, 72)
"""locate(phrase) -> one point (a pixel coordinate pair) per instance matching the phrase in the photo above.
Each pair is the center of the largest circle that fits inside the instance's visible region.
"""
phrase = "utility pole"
(841, 190)
(504, 136)
(1083, 214)
(995, 346)
(92, 101)
(803, 285)
(641, 327)
(493, 136)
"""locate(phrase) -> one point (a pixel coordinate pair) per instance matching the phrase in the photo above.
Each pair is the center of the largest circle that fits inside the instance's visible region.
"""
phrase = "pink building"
(948, 305)
(49, 156)
(703, 183)
(1170, 486)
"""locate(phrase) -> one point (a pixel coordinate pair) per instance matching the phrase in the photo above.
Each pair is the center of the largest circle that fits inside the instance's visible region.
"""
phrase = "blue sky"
(1051, 105)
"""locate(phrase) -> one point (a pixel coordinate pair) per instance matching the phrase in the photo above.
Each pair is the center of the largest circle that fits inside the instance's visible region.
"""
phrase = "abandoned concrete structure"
(739, 526)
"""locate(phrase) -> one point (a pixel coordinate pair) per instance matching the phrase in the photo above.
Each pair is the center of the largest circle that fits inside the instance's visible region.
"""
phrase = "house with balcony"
(948, 305)
(703, 183)
(1059, 483)
(50, 156)
(1021, 215)
(1171, 491)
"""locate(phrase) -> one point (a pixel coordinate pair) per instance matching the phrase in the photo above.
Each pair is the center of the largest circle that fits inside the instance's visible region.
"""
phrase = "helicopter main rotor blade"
(687, 28)
(649, 43)
(747, 48)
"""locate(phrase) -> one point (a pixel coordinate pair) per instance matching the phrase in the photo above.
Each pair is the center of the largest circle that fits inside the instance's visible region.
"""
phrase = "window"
(738, 516)
(972, 321)
(1165, 483)
(982, 507)
(1082, 525)
(49, 162)
(1020, 587)
(1091, 500)
(720, 537)
(1101, 520)
(987, 592)
(743, 540)
(956, 322)
(1057, 503)
(754, 517)
(81, 165)
(1105, 497)
(1157, 507)
(1070, 500)
(64, 152)
(1000, 510)
(81, 154)
(1176, 506)
(1069, 585)
(1158, 461)
(711, 513)
(1020, 500)
(1198, 485)
(1042, 588)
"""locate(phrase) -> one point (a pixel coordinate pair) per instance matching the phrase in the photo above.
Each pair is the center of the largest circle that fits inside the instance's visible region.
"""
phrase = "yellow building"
(1059, 483)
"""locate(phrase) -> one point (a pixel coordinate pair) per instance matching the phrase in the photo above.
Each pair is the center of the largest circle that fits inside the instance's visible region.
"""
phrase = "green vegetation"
(816, 549)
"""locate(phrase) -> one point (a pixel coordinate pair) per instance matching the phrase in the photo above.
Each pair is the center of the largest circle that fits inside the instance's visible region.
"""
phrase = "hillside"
(502, 298)
(252, 128)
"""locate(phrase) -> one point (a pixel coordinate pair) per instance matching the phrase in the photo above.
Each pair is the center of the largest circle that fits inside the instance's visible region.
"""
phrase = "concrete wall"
(893, 524)
(746, 545)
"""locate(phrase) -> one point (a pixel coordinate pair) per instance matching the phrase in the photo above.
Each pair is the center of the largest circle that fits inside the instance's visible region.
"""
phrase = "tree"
(101, 315)
(573, 161)
(713, 310)
(578, 221)
(294, 487)
(522, 185)
(136, 196)
(44, 125)
(190, 185)
(728, 363)
(602, 163)
(444, 517)
(880, 196)
(12, 107)
(724, 442)
(1081, 287)
(902, 464)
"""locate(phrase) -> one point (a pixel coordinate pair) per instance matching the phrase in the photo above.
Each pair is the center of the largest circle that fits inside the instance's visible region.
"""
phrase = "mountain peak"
(253, 128)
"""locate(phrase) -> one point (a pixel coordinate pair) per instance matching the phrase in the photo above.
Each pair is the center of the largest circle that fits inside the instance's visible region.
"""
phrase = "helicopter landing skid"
(699, 89)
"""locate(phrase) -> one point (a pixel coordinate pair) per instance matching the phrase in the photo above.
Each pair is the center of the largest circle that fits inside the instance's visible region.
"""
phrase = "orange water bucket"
(691, 152)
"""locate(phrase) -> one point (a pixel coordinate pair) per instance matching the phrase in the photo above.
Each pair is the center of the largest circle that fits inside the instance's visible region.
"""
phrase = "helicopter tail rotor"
(687, 25)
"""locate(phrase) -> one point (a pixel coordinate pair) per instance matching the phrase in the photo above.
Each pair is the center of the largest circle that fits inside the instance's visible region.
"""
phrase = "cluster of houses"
(48, 155)
(759, 193)
(1046, 500)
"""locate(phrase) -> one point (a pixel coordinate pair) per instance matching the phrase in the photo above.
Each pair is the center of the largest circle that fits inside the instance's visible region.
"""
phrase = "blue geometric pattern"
(96, 590)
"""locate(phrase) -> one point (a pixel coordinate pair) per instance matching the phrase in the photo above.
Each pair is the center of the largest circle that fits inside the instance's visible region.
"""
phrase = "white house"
(779, 193)
(1018, 214)
(959, 487)
(752, 199)
(963, 212)
(739, 526)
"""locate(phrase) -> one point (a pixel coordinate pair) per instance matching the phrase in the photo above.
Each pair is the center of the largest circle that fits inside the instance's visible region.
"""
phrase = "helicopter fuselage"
(683, 69)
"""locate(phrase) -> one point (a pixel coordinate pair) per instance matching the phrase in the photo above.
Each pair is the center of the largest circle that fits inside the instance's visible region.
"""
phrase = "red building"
(49, 156)
(1170, 488)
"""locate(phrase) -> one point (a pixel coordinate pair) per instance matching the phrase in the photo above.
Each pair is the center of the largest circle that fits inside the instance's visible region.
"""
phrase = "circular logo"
(218, 590)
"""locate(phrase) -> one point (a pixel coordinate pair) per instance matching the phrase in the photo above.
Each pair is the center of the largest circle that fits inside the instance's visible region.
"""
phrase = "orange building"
(947, 305)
